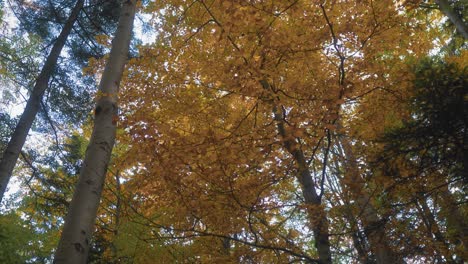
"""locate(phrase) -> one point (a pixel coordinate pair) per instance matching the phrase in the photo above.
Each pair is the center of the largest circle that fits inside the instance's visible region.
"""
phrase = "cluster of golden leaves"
(201, 137)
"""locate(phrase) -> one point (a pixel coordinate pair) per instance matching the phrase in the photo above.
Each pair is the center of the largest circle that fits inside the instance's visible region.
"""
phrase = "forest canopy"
(240, 131)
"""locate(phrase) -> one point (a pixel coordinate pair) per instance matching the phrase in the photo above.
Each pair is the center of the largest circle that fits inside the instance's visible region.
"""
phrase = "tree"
(373, 225)
(68, 98)
(65, 102)
(431, 146)
(76, 236)
(18, 243)
(11, 153)
(267, 87)
(264, 132)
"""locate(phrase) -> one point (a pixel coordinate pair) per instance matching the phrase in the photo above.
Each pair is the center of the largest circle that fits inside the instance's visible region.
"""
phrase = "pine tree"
(11, 153)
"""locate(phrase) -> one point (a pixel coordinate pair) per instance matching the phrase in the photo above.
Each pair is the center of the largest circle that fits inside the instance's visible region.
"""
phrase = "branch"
(325, 161)
(461, 26)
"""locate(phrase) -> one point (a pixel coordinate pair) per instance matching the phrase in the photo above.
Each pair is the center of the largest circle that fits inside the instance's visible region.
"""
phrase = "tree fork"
(79, 223)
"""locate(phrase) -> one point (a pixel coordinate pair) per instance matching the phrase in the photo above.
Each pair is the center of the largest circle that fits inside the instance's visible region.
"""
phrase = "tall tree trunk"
(373, 224)
(77, 232)
(316, 213)
(433, 230)
(358, 240)
(118, 210)
(464, 154)
(10, 156)
(456, 223)
(445, 7)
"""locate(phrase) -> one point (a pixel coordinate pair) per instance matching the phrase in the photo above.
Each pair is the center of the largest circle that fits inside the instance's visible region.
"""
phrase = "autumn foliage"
(288, 132)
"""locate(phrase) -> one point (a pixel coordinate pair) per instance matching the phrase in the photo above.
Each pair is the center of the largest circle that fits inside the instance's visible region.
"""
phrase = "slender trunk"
(457, 229)
(360, 242)
(77, 232)
(118, 209)
(358, 239)
(373, 224)
(445, 8)
(464, 154)
(317, 215)
(433, 231)
(10, 156)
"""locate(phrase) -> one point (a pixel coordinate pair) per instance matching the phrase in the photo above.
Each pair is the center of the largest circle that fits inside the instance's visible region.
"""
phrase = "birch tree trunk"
(445, 8)
(77, 232)
(10, 156)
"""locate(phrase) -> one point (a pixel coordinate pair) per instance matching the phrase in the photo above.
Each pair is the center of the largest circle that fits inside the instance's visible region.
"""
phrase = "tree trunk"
(445, 8)
(118, 210)
(433, 231)
(10, 156)
(373, 224)
(316, 213)
(455, 220)
(358, 240)
(77, 232)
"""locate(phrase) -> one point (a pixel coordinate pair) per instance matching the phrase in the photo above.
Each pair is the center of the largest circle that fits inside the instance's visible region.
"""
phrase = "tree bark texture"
(445, 8)
(79, 223)
(374, 227)
(10, 156)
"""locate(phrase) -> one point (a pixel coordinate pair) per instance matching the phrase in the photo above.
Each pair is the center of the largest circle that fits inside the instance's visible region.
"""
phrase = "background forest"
(240, 131)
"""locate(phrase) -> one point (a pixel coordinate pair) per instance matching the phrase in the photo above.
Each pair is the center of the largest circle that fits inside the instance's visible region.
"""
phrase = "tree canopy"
(238, 132)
